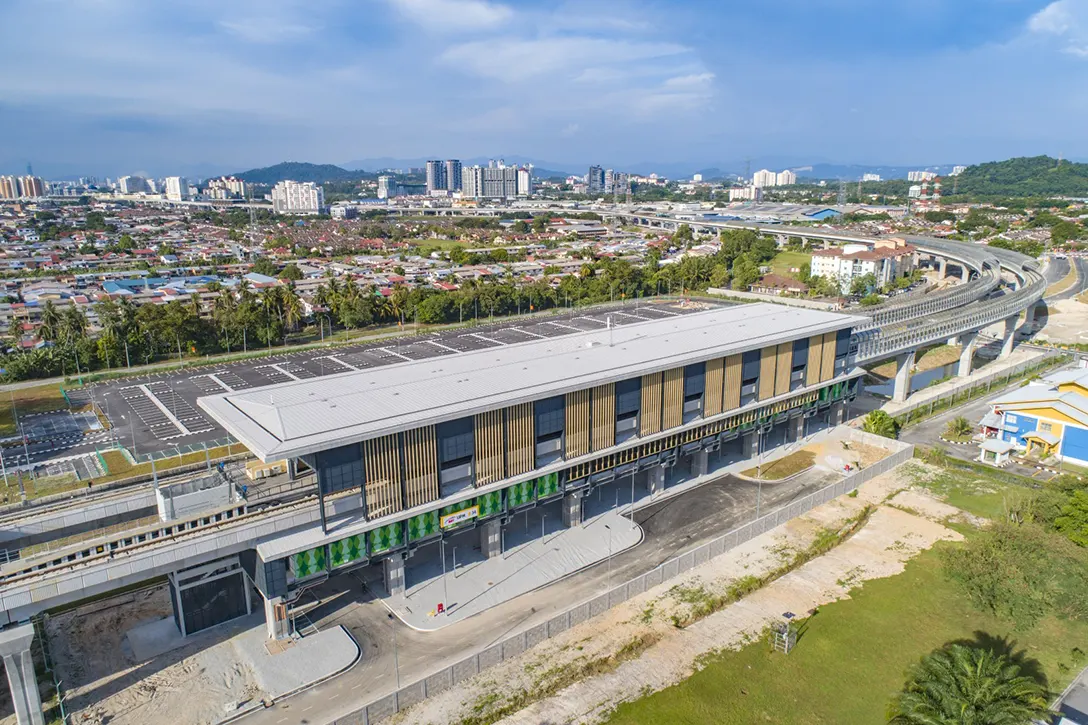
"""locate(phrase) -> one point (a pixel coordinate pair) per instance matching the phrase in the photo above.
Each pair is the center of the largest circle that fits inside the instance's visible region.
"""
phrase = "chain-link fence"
(447, 677)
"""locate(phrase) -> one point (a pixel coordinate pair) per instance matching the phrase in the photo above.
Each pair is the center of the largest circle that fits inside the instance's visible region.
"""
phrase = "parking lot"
(159, 411)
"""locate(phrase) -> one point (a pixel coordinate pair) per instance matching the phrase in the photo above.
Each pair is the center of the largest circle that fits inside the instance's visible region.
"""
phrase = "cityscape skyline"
(276, 81)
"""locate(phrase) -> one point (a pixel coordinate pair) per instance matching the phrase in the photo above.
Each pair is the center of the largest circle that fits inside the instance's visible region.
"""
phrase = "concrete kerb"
(386, 706)
(241, 713)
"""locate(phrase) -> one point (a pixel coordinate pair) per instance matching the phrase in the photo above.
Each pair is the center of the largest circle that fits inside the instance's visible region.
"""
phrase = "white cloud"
(571, 129)
(693, 81)
(267, 30)
(513, 60)
(1066, 19)
(453, 15)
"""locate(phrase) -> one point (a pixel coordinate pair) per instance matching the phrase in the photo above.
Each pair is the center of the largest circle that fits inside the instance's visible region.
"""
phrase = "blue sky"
(122, 86)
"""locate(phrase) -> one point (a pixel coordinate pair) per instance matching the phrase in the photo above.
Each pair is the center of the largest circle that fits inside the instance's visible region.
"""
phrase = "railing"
(514, 645)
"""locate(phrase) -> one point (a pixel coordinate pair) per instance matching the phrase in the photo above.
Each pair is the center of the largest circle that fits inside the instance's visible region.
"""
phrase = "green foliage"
(301, 172)
(863, 284)
(291, 272)
(95, 221)
(1032, 249)
(961, 684)
(1065, 231)
(958, 427)
(870, 300)
(1025, 176)
(264, 266)
(1021, 572)
(880, 423)
(1073, 522)
(939, 215)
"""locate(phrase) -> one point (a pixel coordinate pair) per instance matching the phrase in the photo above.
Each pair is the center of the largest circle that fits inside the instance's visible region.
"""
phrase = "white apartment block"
(785, 178)
(921, 176)
(291, 197)
(957, 170)
(871, 177)
(177, 188)
(887, 260)
(746, 193)
(764, 177)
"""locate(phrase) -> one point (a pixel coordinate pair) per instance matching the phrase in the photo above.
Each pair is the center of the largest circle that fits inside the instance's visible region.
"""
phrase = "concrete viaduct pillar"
(942, 267)
(904, 365)
(967, 339)
(22, 681)
(965, 274)
(1029, 320)
(1010, 335)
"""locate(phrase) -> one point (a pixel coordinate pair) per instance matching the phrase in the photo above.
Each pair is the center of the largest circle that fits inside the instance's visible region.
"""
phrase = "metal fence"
(514, 645)
(975, 388)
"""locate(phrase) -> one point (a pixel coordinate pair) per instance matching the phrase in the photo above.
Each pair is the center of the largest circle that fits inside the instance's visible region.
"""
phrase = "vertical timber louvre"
(489, 445)
(382, 476)
(604, 416)
(767, 358)
(712, 397)
(815, 360)
(577, 431)
(731, 395)
(420, 466)
(783, 368)
(520, 443)
(827, 369)
(674, 398)
(650, 412)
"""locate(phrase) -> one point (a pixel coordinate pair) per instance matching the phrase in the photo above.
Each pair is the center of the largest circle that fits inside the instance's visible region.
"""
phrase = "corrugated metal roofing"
(306, 416)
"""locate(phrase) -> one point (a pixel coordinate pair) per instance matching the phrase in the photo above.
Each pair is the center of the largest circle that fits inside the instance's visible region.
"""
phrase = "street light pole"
(445, 585)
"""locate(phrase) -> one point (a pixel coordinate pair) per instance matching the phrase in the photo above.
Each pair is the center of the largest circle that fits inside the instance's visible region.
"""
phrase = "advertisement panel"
(453, 518)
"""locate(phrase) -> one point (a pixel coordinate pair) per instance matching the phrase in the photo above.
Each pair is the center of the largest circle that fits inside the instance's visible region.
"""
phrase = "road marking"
(403, 357)
(288, 373)
(528, 332)
(485, 339)
(307, 709)
(592, 319)
(444, 347)
(165, 411)
(565, 327)
(226, 387)
(348, 365)
(358, 686)
(628, 314)
(667, 312)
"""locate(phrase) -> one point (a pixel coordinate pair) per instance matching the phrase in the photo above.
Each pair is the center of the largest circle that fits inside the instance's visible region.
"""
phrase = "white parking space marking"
(226, 387)
(288, 373)
(565, 327)
(397, 354)
(335, 359)
(530, 332)
(444, 347)
(485, 339)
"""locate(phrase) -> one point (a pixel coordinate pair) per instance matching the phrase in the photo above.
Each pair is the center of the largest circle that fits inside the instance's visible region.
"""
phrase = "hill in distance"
(1024, 176)
(300, 171)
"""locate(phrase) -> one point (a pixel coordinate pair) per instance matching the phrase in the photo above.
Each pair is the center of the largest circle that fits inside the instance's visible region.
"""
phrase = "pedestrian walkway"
(521, 568)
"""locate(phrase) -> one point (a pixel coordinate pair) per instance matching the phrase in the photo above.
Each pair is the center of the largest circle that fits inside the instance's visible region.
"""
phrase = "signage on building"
(458, 517)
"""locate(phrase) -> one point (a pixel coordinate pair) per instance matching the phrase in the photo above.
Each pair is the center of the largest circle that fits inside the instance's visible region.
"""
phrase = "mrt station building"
(408, 454)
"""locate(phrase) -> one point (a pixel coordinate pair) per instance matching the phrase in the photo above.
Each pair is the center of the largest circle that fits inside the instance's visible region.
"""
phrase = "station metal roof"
(306, 416)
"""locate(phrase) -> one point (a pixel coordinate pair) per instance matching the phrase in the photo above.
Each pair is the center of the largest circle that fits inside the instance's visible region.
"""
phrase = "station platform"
(528, 561)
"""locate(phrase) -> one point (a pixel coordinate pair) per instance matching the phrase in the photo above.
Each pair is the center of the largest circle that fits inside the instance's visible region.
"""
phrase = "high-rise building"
(609, 181)
(177, 188)
(764, 177)
(921, 176)
(436, 176)
(871, 177)
(525, 181)
(31, 187)
(595, 180)
(9, 187)
(746, 193)
(387, 187)
(291, 197)
(453, 174)
(785, 178)
(957, 170)
(132, 184)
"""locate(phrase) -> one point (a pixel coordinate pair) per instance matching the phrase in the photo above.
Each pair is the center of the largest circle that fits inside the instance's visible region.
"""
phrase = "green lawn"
(976, 492)
(783, 262)
(39, 399)
(851, 658)
(783, 467)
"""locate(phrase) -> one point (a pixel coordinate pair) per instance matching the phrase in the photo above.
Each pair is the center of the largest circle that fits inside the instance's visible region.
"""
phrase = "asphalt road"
(1079, 286)
(672, 526)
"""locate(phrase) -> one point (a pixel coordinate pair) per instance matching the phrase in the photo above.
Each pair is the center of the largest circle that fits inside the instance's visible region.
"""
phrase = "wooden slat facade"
(715, 378)
(815, 359)
(577, 424)
(604, 416)
(767, 358)
(520, 441)
(650, 411)
(827, 369)
(489, 448)
(420, 466)
(382, 490)
(731, 392)
(783, 368)
(673, 411)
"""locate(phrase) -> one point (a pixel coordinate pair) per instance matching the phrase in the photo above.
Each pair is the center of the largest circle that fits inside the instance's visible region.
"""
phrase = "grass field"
(38, 399)
(932, 357)
(851, 658)
(783, 467)
(783, 262)
(120, 467)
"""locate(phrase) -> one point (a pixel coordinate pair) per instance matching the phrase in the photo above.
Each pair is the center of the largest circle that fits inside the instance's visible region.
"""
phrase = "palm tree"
(965, 685)
(958, 427)
(881, 424)
(292, 307)
(50, 326)
(74, 323)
